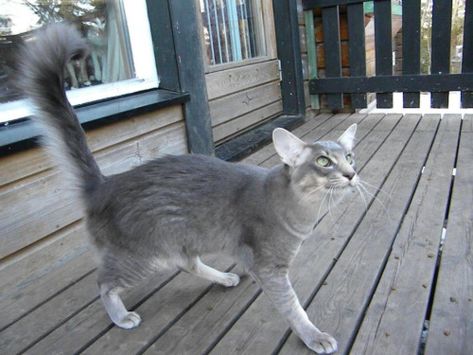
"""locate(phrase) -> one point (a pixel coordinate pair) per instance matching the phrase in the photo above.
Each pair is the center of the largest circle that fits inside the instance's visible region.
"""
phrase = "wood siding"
(244, 94)
(41, 224)
(241, 97)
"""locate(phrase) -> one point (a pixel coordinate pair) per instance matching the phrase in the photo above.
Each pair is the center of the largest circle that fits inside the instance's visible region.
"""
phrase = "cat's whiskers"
(360, 192)
(316, 190)
(367, 184)
(330, 200)
(375, 198)
(320, 206)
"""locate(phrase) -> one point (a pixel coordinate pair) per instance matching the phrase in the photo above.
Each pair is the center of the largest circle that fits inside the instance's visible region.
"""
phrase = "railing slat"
(383, 47)
(467, 56)
(411, 46)
(311, 53)
(357, 50)
(333, 62)
(441, 32)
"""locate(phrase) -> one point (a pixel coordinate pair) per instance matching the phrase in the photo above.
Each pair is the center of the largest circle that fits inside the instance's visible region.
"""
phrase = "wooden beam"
(467, 55)
(389, 83)
(289, 54)
(311, 53)
(383, 47)
(187, 43)
(357, 49)
(411, 47)
(441, 32)
(332, 50)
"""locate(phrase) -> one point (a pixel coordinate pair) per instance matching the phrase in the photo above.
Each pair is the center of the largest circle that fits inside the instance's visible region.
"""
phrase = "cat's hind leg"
(114, 274)
(197, 267)
(116, 309)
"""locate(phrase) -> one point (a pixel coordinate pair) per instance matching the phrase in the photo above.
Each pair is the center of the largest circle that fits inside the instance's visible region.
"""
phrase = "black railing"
(411, 82)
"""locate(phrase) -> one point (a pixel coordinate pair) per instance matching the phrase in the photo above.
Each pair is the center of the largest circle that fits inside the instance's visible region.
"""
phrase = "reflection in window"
(232, 30)
(101, 22)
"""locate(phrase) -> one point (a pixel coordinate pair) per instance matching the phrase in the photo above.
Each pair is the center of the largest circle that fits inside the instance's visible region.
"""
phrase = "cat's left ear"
(288, 146)
(347, 139)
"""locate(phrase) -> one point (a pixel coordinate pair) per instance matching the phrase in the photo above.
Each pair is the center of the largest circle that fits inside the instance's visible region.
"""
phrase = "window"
(233, 30)
(121, 60)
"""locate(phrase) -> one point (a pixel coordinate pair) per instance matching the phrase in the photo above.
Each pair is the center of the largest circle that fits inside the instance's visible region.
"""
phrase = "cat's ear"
(288, 146)
(347, 139)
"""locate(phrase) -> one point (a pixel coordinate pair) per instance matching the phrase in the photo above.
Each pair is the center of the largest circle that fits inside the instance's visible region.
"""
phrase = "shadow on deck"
(377, 274)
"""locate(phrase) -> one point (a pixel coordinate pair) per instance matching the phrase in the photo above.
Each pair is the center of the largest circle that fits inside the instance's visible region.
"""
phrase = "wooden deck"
(376, 278)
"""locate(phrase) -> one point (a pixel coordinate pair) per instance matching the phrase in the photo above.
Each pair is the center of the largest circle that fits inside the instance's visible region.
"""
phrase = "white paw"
(230, 279)
(322, 343)
(130, 320)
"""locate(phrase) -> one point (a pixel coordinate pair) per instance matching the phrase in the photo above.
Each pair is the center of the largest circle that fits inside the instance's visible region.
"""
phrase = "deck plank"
(192, 332)
(86, 324)
(260, 328)
(20, 295)
(42, 320)
(395, 317)
(451, 325)
(339, 305)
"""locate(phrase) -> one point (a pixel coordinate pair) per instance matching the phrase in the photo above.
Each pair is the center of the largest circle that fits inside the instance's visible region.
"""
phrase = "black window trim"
(23, 133)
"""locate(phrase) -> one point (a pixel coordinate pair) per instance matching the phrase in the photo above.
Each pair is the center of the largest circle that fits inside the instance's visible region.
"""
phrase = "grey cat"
(170, 211)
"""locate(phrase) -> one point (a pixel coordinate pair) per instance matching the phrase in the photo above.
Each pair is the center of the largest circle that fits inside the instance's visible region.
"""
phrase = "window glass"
(119, 37)
(233, 30)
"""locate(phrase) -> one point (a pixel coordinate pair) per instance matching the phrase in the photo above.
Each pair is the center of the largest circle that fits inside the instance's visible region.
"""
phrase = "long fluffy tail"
(42, 66)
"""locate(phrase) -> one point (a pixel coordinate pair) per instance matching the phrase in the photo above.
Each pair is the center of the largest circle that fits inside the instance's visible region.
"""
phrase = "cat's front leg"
(276, 284)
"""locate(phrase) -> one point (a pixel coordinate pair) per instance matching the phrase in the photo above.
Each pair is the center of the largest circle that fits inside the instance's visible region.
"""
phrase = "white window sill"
(21, 109)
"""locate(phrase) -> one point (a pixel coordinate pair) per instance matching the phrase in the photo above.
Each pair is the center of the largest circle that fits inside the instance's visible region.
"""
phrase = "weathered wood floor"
(376, 278)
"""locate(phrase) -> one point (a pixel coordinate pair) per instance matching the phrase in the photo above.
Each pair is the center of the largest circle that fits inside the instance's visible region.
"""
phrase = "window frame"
(146, 76)
(268, 33)
(22, 134)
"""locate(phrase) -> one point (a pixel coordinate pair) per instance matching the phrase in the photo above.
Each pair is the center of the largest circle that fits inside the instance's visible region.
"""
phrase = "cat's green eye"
(324, 162)
(349, 158)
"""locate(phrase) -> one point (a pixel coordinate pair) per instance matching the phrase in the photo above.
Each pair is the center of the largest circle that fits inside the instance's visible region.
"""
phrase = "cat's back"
(196, 171)
(193, 179)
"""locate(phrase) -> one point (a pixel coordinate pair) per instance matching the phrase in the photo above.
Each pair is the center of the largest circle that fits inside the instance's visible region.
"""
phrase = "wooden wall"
(246, 94)
(41, 228)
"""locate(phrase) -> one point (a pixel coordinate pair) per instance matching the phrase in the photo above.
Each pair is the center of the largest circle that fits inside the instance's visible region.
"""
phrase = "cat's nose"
(349, 176)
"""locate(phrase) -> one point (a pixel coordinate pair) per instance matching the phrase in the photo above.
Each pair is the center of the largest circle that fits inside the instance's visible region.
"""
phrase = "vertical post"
(411, 47)
(332, 51)
(441, 33)
(190, 62)
(383, 47)
(357, 50)
(289, 53)
(311, 53)
(467, 56)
